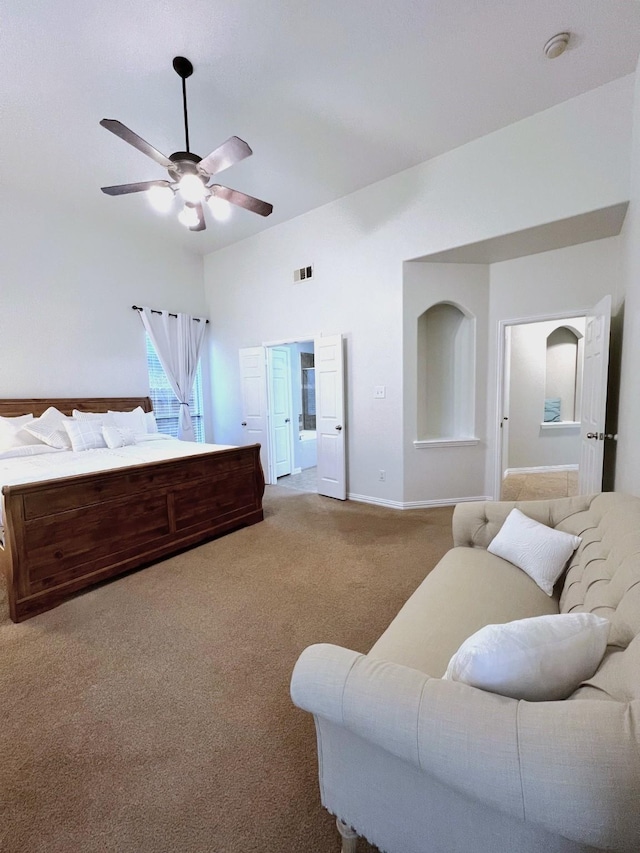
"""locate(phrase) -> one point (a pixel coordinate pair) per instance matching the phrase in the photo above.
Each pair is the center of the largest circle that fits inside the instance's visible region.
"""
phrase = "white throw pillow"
(133, 420)
(152, 425)
(540, 659)
(538, 550)
(49, 427)
(12, 433)
(115, 437)
(85, 435)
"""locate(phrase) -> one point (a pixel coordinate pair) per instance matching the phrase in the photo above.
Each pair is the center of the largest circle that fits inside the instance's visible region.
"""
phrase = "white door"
(255, 419)
(330, 425)
(506, 397)
(280, 409)
(594, 397)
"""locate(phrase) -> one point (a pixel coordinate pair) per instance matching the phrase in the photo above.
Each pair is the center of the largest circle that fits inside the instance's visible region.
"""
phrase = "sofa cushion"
(466, 590)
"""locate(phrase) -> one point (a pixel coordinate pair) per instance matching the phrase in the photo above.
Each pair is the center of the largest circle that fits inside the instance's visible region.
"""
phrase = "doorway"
(292, 428)
(267, 399)
(542, 408)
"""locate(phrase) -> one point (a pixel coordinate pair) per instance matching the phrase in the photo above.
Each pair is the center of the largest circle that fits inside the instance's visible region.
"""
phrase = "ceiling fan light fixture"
(192, 188)
(188, 216)
(219, 207)
(160, 198)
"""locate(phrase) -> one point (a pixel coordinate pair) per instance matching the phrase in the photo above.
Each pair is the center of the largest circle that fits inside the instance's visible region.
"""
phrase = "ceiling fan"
(189, 173)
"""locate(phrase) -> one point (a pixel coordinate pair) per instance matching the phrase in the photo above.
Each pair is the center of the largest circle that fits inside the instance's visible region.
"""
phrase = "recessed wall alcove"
(445, 373)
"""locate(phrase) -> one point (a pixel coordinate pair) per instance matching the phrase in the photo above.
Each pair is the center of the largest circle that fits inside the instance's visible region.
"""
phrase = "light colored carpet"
(533, 487)
(152, 715)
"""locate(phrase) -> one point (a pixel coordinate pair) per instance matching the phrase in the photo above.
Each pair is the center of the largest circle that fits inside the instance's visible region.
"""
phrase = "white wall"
(565, 281)
(627, 477)
(67, 287)
(532, 445)
(567, 160)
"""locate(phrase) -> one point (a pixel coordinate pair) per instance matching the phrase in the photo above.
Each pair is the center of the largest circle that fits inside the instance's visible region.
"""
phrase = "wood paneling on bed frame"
(64, 535)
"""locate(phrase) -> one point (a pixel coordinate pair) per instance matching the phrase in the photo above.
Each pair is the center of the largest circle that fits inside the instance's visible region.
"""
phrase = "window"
(165, 403)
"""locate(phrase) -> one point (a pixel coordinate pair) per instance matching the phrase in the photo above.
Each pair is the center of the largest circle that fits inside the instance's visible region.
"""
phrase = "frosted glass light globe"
(191, 188)
(188, 217)
(219, 207)
(160, 198)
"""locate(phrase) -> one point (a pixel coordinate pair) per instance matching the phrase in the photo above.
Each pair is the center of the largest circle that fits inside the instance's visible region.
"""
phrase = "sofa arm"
(572, 766)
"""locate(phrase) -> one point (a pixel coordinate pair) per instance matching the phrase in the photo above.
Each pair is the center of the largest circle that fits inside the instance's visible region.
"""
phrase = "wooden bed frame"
(67, 534)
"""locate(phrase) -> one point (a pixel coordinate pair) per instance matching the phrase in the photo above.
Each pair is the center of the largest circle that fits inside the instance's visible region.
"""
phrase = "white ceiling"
(332, 95)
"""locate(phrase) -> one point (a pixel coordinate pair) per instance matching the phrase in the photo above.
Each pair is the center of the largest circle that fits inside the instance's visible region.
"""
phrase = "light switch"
(380, 392)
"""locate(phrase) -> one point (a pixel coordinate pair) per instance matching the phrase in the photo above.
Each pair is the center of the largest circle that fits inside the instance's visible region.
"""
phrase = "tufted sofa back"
(603, 576)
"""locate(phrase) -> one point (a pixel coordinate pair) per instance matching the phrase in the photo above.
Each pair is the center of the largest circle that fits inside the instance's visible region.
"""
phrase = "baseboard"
(365, 499)
(541, 469)
(297, 470)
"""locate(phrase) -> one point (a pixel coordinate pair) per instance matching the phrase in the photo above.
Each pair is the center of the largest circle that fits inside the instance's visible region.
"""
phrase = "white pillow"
(133, 420)
(152, 425)
(12, 433)
(91, 416)
(85, 435)
(538, 550)
(540, 659)
(115, 437)
(49, 427)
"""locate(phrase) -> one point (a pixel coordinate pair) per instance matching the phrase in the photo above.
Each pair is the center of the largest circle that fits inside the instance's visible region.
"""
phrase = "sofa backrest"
(603, 576)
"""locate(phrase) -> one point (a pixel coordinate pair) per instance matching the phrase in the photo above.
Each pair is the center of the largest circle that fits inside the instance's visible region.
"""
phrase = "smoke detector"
(556, 45)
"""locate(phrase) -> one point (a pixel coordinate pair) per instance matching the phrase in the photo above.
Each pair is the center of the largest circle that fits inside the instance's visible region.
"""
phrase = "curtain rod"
(153, 311)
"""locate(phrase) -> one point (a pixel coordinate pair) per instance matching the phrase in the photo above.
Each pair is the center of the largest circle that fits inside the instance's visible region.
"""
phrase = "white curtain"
(178, 342)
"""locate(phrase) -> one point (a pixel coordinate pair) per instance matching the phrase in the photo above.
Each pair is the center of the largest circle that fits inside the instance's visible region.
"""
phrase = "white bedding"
(66, 463)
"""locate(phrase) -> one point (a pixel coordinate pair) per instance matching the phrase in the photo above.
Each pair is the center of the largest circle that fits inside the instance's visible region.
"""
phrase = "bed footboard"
(64, 535)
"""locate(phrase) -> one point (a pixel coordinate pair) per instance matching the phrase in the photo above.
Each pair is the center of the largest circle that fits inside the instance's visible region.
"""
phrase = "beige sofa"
(417, 764)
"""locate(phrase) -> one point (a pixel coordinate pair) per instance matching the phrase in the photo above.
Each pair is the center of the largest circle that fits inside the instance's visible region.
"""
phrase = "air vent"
(303, 273)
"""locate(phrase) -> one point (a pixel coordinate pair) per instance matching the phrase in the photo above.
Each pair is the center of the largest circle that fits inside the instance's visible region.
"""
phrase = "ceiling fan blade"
(230, 152)
(137, 141)
(242, 200)
(201, 224)
(123, 189)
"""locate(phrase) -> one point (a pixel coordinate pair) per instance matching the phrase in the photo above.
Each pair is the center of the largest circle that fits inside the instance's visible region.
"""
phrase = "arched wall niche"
(445, 373)
(563, 375)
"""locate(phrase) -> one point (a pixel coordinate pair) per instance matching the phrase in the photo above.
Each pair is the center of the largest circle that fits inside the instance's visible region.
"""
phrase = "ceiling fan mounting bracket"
(182, 67)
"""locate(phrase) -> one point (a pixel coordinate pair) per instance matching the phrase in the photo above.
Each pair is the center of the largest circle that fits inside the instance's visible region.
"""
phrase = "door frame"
(501, 378)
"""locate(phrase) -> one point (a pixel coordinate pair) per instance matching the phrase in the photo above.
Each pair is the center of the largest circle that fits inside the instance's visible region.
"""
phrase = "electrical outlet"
(382, 475)
(379, 392)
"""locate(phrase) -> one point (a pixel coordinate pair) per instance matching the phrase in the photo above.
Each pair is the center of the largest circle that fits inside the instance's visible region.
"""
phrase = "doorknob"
(592, 435)
(338, 427)
(244, 423)
(287, 420)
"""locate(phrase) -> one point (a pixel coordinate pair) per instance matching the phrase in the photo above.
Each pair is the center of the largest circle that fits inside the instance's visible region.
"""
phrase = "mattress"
(67, 463)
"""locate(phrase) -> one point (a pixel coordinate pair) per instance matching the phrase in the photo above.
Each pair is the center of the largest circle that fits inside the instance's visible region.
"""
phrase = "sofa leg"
(349, 837)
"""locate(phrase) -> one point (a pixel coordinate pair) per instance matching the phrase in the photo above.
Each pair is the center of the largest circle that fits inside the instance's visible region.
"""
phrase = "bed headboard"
(13, 408)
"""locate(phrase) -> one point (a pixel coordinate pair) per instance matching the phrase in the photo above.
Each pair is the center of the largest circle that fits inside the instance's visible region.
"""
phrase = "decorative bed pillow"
(134, 420)
(538, 550)
(115, 437)
(85, 435)
(49, 427)
(105, 417)
(152, 424)
(13, 434)
(540, 659)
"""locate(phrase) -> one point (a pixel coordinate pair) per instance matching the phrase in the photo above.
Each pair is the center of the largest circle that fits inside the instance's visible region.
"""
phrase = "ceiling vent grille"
(303, 273)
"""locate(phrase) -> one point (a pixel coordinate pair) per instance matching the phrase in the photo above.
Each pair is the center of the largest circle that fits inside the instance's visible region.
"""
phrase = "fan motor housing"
(185, 163)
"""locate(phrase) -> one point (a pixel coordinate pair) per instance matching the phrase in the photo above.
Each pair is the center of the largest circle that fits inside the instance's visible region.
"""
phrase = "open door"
(330, 423)
(253, 382)
(279, 377)
(594, 397)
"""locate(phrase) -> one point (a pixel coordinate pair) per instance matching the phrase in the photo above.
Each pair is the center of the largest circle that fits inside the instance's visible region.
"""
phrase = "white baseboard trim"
(542, 469)
(365, 499)
(297, 471)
